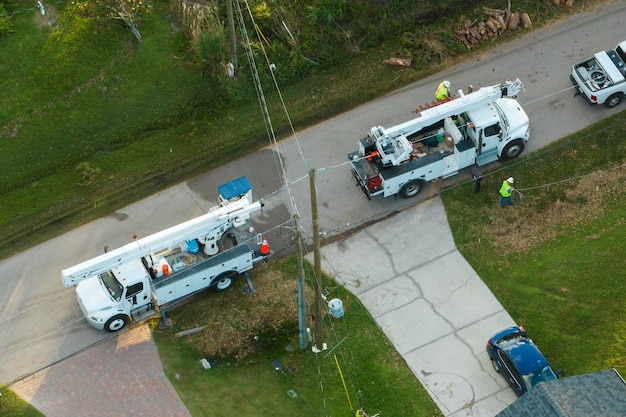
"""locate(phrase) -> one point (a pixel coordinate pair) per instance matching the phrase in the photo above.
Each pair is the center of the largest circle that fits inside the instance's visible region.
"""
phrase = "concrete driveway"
(430, 303)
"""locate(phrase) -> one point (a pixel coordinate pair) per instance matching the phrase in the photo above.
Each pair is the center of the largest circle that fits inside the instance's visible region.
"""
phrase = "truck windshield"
(505, 121)
(112, 285)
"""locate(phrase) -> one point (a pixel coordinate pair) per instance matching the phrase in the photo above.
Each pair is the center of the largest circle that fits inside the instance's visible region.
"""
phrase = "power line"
(261, 96)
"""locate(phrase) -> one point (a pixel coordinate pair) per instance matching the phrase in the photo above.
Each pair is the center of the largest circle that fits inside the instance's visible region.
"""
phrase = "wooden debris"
(474, 33)
(492, 12)
(481, 27)
(496, 23)
(501, 22)
(399, 62)
(490, 23)
(514, 21)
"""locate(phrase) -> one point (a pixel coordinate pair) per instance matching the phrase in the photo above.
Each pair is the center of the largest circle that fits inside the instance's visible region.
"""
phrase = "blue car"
(514, 355)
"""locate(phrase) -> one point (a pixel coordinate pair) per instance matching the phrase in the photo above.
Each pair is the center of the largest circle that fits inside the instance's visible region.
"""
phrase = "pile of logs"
(496, 23)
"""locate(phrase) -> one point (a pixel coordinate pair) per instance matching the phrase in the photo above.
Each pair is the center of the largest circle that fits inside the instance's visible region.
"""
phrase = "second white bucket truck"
(147, 275)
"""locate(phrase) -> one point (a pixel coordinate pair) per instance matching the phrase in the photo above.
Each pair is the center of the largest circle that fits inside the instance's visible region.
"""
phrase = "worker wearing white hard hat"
(443, 91)
(505, 192)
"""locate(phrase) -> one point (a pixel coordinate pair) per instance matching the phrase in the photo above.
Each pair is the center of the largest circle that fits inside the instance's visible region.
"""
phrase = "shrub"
(6, 26)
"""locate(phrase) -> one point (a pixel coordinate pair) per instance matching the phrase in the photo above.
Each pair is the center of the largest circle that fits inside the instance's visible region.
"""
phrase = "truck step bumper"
(579, 92)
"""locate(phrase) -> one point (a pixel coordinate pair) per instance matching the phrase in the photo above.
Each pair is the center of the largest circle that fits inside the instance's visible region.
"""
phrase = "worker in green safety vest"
(360, 413)
(443, 91)
(505, 192)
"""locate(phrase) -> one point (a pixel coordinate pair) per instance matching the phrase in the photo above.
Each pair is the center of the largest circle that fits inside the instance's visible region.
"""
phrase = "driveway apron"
(430, 303)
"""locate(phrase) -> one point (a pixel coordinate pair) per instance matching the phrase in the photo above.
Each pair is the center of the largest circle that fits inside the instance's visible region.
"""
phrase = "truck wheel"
(512, 150)
(224, 281)
(411, 188)
(116, 323)
(613, 101)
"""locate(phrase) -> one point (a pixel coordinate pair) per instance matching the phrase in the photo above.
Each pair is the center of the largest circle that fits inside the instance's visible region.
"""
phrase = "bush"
(6, 26)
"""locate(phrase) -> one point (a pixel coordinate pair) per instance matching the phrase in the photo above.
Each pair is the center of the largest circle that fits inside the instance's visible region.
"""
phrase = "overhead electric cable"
(261, 95)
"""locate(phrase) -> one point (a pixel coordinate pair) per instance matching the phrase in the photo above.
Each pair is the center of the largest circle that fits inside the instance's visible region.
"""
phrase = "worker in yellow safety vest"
(360, 413)
(505, 192)
(443, 91)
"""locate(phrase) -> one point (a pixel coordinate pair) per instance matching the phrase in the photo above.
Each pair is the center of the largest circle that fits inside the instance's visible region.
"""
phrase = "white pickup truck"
(602, 79)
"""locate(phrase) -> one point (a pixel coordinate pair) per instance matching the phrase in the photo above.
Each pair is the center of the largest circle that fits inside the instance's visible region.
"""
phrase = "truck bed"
(199, 273)
(365, 169)
(602, 78)
(423, 155)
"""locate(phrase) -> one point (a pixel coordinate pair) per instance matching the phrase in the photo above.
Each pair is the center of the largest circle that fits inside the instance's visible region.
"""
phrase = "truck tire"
(512, 149)
(116, 323)
(224, 281)
(411, 188)
(613, 100)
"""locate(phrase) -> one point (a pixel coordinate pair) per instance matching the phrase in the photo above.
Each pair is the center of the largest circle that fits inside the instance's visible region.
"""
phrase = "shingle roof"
(598, 394)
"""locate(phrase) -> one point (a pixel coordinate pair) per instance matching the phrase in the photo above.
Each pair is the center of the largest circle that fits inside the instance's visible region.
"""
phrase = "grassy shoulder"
(11, 405)
(246, 337)
(554, 258)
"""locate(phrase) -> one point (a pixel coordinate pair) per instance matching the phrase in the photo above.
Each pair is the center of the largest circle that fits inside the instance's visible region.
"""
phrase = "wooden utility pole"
(231, 34)
(317, 269)
(304, 340)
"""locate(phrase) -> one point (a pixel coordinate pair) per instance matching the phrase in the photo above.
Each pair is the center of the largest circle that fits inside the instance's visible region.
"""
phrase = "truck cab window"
(493, 130)
(134, 289)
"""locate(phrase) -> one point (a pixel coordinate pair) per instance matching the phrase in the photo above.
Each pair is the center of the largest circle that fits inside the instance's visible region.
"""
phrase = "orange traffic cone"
(265, 248)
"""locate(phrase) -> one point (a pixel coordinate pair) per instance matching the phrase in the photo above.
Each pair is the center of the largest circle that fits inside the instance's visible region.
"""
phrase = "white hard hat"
(510, 180)
(446, 84)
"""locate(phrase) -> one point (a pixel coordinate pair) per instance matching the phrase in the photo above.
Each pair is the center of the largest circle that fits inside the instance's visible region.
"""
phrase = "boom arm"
(395, 136)
(457, 106)
(192, 229)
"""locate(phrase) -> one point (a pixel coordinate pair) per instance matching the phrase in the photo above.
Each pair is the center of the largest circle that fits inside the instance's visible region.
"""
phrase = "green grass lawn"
(360, 366)
(13, 406)
(554, 260)
(88, 129)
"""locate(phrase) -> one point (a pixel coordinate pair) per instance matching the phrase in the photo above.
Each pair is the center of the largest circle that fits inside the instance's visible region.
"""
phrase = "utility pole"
(317, 270)
(231, 34)
(304, 340)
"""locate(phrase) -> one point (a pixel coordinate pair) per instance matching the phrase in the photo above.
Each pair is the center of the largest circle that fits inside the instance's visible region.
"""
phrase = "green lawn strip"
(566, 290)
(362, 362)
(11, 405)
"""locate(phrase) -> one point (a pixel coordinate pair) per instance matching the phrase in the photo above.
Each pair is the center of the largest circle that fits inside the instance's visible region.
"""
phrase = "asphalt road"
(40, 322)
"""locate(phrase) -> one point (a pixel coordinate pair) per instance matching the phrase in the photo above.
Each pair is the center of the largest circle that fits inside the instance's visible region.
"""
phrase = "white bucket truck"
(146, 276)
(479, 127)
